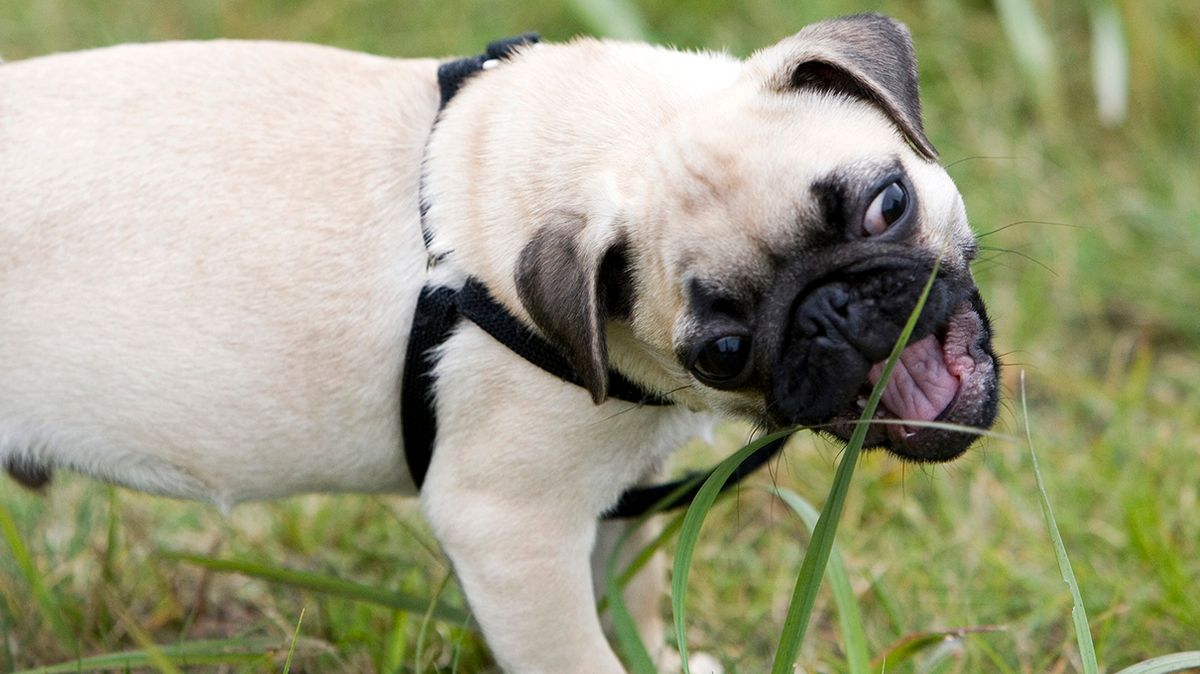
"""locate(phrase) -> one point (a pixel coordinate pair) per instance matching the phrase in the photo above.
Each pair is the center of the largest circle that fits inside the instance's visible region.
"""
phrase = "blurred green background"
(1073, 131)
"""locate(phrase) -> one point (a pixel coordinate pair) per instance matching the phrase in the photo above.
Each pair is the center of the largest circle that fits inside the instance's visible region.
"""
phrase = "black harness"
(439, 309)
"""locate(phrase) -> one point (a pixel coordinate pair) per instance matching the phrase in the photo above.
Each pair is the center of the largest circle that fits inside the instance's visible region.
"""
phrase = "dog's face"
(783, 236)
(788, 288)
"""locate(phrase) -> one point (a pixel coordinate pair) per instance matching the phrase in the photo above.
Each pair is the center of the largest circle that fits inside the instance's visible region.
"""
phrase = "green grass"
(1101, 313)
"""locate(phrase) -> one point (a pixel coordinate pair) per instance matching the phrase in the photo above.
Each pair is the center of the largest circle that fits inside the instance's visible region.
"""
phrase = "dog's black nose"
(833, 312)
(827, 327)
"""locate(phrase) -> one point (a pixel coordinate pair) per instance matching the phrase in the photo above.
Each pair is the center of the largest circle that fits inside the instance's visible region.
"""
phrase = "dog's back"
(209, 249)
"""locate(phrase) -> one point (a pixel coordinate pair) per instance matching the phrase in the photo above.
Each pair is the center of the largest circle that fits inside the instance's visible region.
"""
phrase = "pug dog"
(211, 257)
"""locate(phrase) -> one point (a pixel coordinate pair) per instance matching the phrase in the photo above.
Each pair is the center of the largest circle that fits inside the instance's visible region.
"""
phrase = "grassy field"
(1091, 224)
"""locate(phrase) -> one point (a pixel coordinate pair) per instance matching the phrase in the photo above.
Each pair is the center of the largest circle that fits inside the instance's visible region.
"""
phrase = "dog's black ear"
(571, 291)
(867, 56)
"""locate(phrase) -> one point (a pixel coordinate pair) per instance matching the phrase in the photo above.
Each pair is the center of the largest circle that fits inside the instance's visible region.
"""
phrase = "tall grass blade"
(804, 596)
(645, 554)
(619, 19)
(456, 659)
(689, 533)
(1163, 664)
(325, 584)
(46, 603)
(629, 640)
(1087, 650)
(395, 644)
(1031, 45)
(426, 621)
(909, 646)
(637, 657)
(854, 637)
(185, 654)
(157, 659)
(941, 656)
(287, 666)
(1110, 62)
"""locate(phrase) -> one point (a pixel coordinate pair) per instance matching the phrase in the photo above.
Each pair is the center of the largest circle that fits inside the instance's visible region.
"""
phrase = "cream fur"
(210, 254)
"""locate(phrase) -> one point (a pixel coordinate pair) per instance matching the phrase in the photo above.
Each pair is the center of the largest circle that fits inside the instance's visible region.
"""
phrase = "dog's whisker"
(1027, 222)
(1018, 253)
(1006, 354)
(992, 261)
(977, 157)
(638, 406)
(614, 415)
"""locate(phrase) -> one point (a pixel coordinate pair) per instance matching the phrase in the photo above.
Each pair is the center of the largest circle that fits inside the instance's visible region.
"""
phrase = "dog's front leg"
(523, 468)
(525, 571)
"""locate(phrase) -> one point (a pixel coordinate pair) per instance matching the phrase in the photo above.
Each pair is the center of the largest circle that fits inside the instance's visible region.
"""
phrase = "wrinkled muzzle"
(827, 326)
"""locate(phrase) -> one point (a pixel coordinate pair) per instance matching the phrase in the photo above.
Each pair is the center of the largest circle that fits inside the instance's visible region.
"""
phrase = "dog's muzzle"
(827, 326)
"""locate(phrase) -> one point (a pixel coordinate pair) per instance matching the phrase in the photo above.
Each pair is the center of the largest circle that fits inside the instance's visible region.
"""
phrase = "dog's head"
(759, 248)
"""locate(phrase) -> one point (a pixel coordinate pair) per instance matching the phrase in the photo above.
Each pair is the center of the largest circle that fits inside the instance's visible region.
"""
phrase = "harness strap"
(438, 311)
(439, 308)
(476, 304)
(432, 322)
(452, 74)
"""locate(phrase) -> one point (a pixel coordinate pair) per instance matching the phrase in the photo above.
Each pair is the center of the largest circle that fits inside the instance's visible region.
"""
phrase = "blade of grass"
(108, 568)
(157, 658)
(804, 596)
(395, 644)
(426, 621)
(913, 423)
(629, 640)
(854, 637)
(7, 657)
(643, 557)
(689, 532)
(458, 645)
(46, 603)
(1110, 62)
(645, 554)
(188, 653)
(941, 656)
(912, 645)
(1032, 47)
(637, 658)
(1163, 664)
(287, 666)
(324, 584)
(1087, 650)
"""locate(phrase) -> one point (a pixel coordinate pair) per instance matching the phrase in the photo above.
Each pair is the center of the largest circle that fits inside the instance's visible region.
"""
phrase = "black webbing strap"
(432, 322)
(640, 500)
(438, 310)
(452, 74)
(476, 304)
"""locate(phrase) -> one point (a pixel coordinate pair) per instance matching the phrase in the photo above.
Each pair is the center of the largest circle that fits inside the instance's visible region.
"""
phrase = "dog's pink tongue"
(921, 386)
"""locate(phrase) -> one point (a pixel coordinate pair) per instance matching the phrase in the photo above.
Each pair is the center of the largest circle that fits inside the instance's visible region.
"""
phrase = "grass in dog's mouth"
(817, 557)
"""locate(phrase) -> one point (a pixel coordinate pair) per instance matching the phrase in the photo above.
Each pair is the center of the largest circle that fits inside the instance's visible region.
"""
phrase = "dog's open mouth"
(947, 377)
(837, 325)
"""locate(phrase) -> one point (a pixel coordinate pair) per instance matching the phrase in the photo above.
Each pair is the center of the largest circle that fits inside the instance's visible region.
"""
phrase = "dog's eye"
(721, 361)
(886, 209)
